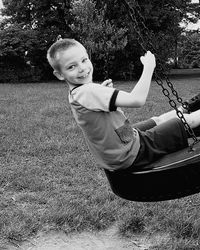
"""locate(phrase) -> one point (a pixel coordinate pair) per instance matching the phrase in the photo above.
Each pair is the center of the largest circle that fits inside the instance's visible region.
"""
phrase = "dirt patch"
(106, 240)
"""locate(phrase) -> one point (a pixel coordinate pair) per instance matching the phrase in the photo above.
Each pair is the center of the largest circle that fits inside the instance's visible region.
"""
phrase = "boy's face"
(75, 66)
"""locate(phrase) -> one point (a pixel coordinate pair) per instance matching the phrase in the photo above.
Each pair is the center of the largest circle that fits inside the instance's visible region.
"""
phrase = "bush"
(13, 74)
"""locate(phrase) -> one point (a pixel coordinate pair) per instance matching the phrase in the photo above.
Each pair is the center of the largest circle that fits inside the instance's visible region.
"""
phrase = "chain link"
(141, 30)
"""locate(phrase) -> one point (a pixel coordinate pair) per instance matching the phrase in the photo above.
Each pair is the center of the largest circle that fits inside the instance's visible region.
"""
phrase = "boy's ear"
(58, 75)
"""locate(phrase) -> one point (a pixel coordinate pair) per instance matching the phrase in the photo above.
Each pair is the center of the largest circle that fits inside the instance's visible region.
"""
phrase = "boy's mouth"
(84, 76)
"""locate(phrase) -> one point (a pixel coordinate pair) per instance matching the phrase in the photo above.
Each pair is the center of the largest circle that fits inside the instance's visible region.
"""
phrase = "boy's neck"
(72, 86)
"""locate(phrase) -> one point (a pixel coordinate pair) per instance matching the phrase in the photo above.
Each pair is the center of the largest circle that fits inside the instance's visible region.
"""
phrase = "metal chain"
(180, 115)
(135, 15)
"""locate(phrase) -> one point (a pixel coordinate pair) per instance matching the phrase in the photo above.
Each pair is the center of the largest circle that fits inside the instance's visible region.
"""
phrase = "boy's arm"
(137, 97)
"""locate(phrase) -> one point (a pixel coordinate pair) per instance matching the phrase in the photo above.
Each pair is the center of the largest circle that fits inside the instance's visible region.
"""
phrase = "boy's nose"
(81, 68)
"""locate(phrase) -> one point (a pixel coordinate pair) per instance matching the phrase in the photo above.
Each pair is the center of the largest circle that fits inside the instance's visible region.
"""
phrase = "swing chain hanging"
(158, 75)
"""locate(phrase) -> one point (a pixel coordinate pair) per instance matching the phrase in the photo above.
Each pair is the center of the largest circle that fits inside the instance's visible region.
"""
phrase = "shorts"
(159, 140)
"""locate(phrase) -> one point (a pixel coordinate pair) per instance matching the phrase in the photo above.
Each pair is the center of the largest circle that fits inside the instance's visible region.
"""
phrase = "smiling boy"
(114, 143)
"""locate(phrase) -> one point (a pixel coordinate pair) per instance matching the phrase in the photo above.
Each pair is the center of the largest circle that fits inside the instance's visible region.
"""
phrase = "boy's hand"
(108, 83)
(148, 60)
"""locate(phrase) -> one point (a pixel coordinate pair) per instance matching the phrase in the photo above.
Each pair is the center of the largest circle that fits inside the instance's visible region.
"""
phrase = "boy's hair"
(58, 46)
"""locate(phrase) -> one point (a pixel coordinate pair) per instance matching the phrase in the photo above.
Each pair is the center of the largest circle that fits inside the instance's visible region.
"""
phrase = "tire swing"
(173, 176)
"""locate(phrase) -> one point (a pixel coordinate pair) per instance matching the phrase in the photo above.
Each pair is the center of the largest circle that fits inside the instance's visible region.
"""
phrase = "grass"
(48, 178)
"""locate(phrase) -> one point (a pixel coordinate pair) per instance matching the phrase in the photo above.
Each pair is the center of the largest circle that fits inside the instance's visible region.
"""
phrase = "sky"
(192, 26)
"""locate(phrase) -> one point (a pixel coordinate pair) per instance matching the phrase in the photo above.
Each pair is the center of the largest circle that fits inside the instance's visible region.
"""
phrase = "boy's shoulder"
(83, 87)
(90, 88)
(93, 96)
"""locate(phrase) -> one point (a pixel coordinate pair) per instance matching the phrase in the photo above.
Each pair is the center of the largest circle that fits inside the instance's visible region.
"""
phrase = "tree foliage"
(39, 14)
(159, 24)
(189, 54)
(101, 38)
(43, 21)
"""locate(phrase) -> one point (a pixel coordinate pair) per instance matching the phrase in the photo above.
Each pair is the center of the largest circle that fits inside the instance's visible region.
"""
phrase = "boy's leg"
(193, 119)
(193, 105)
(167, 137)
(161, 140)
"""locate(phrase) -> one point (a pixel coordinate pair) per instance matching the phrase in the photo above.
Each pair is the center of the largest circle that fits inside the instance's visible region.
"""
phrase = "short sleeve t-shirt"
(108, 133)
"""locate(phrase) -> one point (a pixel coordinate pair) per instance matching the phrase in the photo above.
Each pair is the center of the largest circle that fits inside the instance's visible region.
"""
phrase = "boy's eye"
(71, 67)
(85, 59)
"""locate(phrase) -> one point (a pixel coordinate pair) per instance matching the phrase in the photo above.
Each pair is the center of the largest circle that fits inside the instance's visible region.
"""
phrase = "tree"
(189, 56)
(39, 14)
(14, 44)
(50, 18)
(158, 23)
(101, 38)
(44, 20)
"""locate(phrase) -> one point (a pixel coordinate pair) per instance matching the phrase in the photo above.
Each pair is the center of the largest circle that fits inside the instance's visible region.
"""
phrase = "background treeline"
(29, 27)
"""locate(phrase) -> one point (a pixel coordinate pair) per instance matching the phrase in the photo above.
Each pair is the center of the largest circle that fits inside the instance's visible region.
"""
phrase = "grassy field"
(48, 179)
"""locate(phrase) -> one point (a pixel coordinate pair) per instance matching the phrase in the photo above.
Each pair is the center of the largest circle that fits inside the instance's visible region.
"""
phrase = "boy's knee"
(192, 120)
(157, 119)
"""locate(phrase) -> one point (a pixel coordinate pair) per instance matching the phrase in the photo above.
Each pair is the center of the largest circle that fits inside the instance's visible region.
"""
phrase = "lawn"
(48, 178)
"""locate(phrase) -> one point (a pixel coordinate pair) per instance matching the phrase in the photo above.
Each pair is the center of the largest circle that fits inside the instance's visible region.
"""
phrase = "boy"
(96, 109)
